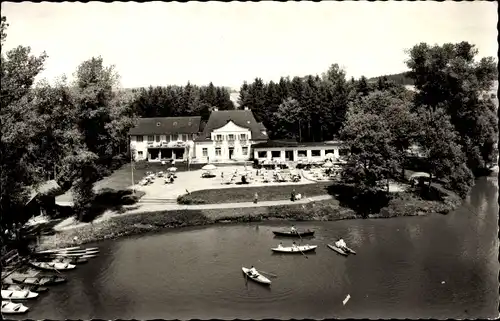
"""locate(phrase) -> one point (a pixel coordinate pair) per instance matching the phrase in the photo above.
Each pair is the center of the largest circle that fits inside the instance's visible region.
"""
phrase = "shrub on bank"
(189, 200)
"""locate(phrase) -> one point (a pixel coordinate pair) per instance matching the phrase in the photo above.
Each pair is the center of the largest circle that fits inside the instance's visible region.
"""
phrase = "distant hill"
(401, 79)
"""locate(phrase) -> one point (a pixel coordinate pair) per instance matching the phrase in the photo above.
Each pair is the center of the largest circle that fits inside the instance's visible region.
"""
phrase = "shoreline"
(326, 210)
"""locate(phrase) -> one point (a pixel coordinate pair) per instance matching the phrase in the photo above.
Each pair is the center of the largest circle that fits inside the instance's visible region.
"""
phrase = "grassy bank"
(404, 204)
(246, 194)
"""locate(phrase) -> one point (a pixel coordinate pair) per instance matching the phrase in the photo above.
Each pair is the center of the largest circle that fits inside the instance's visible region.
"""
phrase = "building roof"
(166, 125)
(242, 118)
(43, 189)
(291, 143)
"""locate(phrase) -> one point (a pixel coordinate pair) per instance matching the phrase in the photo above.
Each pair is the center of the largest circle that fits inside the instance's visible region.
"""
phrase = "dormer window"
(175, 123)
(158, 124)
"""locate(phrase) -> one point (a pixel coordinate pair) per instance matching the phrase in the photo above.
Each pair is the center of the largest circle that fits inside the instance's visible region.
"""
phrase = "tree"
(443, 153)
(18, 125)
(93, 101)
(373, 157)
(449, 76)
(288, 118)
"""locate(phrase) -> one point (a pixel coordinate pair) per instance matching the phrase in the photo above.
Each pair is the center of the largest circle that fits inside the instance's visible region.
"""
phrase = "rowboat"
(259, 278)
(42, 280)
(13, 308)
(294, 234)
(53, 266)
(70, 260)
(58, 250)
(18, 295)
(17, 287)
(87, 256)
(336, 249)
(295, 249)
(76, 254)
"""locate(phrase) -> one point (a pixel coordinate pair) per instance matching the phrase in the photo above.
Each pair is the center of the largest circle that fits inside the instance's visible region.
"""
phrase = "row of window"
(169, 138)
(302, 153)
(220, 137)
(218, 151)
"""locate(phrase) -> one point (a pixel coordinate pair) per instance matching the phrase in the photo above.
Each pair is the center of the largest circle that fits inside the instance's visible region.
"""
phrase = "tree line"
(447, 117)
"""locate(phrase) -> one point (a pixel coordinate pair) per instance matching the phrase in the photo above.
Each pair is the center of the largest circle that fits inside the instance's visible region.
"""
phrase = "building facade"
(164, 138)
(229, 136)
(298, 152)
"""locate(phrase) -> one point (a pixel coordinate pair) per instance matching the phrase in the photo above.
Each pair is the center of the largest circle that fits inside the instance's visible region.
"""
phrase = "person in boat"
(294, 245)
(340, 244)
(293, 229)
(253, 272)
(280, 245)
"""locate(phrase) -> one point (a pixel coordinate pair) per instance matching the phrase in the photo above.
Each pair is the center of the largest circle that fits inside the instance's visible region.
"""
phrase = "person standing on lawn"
(292, 197)
(256, 198)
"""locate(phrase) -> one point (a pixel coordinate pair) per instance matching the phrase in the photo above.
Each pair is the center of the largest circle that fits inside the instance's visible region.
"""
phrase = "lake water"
(438, 266)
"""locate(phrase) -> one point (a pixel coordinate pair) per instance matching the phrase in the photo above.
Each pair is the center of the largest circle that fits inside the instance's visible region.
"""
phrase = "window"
(139, 154)
(493, 96)
(218, 151)
(262, 154)
(243, 136)
(218, 137)
(139, 139)
(158, 138)
(244, 150)
(184, 137)
(204, 151)
(316, 152)
(231, 137)
(343, 152)
(151, 138)
(329, 151)
(302, 153)
(276, 154)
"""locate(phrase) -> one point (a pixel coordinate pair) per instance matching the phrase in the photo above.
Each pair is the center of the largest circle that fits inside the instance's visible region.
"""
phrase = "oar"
(299, 247)
(270, 274)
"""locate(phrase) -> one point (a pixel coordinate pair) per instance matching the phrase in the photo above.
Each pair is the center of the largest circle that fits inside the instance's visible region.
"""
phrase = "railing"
(243, 142)
(218, 142)
(231, 142)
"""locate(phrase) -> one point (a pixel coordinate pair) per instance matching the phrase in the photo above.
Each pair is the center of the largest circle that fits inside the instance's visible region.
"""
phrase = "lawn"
(266, 193)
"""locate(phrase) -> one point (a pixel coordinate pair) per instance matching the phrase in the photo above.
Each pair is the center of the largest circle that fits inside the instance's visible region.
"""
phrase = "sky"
(163, 44)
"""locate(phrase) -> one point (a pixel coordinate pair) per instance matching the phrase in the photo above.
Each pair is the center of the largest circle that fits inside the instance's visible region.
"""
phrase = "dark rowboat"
(42, 280)
(296, 234)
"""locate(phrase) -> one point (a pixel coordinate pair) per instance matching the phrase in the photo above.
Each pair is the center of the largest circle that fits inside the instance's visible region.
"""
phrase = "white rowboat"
(336, 249)
(295, 249)
(259, 278)
(51, 266)
(59, 250)
(18, 295)
(13, 308)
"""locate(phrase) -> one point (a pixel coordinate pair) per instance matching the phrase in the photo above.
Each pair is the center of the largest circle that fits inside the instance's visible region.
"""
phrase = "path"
(145, 208)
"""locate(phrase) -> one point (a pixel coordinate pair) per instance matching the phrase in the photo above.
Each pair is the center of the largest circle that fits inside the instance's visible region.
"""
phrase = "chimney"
(246, 108)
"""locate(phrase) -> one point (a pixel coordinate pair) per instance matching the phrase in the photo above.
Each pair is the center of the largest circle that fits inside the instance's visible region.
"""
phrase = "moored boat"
(42, 280)
(88, 256)
(13, 308)
(18, 295)
(307, 233)
(70, 260)
(259, 278)
(76, 254)
(58, 250)
(336, 249)
(295, 249)
(18, 287)
(52, 266)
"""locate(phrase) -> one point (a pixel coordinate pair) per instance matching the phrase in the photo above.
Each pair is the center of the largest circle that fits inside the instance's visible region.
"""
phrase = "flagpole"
(132, 171)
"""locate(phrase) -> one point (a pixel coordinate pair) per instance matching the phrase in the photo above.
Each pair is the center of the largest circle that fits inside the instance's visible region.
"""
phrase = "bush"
(188, 200)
